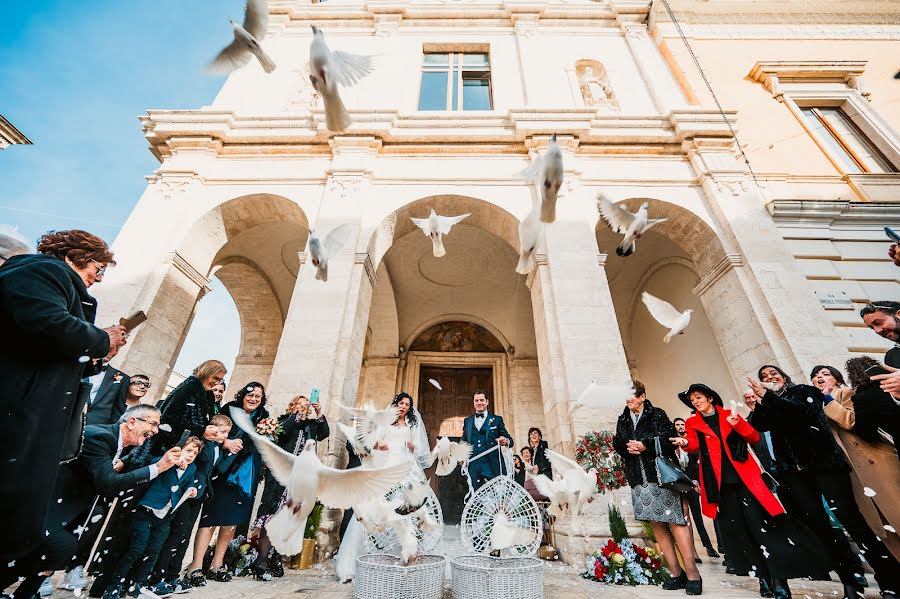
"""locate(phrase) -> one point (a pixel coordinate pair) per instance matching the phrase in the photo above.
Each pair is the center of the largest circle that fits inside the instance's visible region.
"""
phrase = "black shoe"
(220, 575)
(113, 592)
(676, 582)
(765, 590)
(712, 553)
(729, 569)
(260, 571)
(694, 587)
(195, 578)
(780, 588)
(853, 591)
(860, 579)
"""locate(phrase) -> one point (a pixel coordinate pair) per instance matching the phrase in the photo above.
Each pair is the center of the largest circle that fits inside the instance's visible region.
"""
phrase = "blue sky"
(74, 78)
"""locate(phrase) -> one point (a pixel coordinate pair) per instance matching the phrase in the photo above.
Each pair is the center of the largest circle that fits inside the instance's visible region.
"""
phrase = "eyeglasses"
(101, 268)
(150, 422)
(144, 384)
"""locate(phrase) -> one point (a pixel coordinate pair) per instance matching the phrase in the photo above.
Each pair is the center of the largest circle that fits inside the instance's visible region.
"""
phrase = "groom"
(483, 431)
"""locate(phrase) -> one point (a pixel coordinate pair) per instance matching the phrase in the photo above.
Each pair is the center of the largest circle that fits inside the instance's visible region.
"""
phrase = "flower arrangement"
(625, 563)
(595, 450)
(269, 427)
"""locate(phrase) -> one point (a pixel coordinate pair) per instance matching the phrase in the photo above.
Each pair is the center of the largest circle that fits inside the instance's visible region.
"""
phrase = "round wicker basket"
(477, 576)
(381, 576)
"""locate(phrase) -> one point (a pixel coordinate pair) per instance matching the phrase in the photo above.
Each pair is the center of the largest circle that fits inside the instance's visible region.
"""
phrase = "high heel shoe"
(675, 582)
(780, 588)
(260, 572)
(694, 587)
(220, 575)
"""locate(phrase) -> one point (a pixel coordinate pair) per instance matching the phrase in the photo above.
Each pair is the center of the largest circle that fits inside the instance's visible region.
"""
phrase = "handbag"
(75, 431)
(669, 475)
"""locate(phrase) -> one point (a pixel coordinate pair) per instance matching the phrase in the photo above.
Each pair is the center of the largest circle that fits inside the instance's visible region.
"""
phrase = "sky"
(74, 78)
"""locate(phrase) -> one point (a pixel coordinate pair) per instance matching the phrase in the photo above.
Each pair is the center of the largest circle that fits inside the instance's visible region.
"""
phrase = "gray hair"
(139, 411)
(12, 243)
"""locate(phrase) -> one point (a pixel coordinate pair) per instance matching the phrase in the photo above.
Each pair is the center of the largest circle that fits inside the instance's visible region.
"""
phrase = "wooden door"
(443, 412)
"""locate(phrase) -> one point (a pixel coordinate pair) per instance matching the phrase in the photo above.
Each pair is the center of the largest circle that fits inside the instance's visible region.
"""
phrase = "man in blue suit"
(483, 431)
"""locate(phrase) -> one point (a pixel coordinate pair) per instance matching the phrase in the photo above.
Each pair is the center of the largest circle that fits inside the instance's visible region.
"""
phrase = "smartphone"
(875, 369)
(314, 395)
(893, 236)
(184, 437)
(133, 321)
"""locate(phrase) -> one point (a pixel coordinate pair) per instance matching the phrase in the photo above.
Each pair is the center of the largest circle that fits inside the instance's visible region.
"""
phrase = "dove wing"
(415, 495)
(530, 172)
(447, 222)
(342, 488)
(652, 222)
(350, 434)
(561, 464)
(279, 461)
(422, 223)
(460, 450)
(544, 485)
(349, 68)
(596, 396)
(232, 57)
(661, 311)
(385, 417)
(617, 217)
(336, 239)
(256, 18)
(352, 412)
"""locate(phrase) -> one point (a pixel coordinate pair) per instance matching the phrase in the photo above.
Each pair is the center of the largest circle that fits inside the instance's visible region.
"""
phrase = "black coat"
(874, 409)
(539, 459)
(46, 317)
(109, 403)
(653, 423)
(801, 435)
(231, 462)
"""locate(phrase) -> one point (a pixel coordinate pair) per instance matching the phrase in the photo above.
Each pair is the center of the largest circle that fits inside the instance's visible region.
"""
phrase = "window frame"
(864, 168)
(457, 70)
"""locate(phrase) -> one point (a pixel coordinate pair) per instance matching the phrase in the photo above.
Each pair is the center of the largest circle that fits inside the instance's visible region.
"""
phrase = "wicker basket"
(385, 577)
(477, 576)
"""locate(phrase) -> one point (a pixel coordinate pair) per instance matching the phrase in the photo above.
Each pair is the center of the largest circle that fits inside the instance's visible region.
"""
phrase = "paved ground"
(560, 582)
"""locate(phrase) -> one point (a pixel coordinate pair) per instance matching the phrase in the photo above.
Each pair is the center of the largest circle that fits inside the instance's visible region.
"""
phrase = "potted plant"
(309, 537)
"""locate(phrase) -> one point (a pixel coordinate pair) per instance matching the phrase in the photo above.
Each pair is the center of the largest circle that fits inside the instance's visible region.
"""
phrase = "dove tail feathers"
(265, 61)
(438, 249)
(286, 530)
(548, 212)
(526, 263)
(322, 274)
(667, 338)
(336, 116)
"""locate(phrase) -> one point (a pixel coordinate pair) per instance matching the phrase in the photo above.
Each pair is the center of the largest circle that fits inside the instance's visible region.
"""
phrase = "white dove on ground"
(449, 453)
(601, 396)
(531, 229)
(547, 171)
(305, 478)
(329, 69)
(580, 484)
(321, 250)
(246, 41)
(632, 226)
(665, 314)
(507, 534)
(436, 226)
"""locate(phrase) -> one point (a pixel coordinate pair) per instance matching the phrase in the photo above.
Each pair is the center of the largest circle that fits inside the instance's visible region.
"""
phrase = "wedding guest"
(690, 464)
(484, 430)
(46, 309)
(539, 462)
(759, 538)
(233, 491)
(218, 393)
(109, 390)
(519, 470)
(883, 318)
(638, 429)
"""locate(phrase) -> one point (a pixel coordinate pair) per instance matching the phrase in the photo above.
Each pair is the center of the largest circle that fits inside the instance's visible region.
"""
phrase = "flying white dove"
(246, 41)
(601, 396)
(329, 69)
(632, 226)
(556, 491)
(449, 453)
(305, 478)
(436, 226)
(415, 494)
(580, 484)
(547, 171)
(531, 229)
(378, 514)
(435, 384)
(426, 522)
(665, 314)
(506, 534)
(322, 250)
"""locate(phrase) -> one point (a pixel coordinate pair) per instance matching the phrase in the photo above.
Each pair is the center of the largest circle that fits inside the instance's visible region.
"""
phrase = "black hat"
(685, 396)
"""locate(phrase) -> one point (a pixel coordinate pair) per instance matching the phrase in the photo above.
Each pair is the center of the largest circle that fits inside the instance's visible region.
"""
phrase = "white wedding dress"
(396, 437)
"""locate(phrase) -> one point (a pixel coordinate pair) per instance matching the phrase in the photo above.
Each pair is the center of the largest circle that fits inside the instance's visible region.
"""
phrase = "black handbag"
(75, 432)
(669, 475)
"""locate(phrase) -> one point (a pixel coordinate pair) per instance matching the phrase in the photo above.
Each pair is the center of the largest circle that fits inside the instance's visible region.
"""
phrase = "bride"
(404, 440)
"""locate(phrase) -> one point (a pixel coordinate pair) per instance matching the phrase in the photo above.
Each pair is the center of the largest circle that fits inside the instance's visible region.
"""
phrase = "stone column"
(653, 69)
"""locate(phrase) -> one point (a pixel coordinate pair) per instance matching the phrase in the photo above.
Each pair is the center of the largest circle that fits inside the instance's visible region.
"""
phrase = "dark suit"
(485, 468)
(108, 404)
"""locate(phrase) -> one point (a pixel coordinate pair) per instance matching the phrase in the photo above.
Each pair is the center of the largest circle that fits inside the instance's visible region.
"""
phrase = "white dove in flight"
(449, 453)
(329, 69)
(305, 478)
(665, 314)
(531, 229)
(632, 226)
(246, 42)
(322, 250)
(601, 396)
(436, 226)
(547, 171)
(507, 534)
(581, 485)
(556, 491)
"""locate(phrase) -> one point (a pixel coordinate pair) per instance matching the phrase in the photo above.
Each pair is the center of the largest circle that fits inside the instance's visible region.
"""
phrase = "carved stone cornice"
(366, 260)
(833, 212)
(601, 260)
(772, 73)
(9, 135)
(202, 282)
(728, 262)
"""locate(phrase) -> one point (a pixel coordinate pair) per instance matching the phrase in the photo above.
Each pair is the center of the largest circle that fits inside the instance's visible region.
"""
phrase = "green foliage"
(313, 521)
(648, 532)
(617, 527)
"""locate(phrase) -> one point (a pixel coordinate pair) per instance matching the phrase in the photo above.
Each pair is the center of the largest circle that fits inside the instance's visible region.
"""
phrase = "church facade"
(775, 258)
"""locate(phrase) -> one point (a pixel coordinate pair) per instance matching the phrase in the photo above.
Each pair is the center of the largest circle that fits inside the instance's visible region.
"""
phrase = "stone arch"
(425, 325)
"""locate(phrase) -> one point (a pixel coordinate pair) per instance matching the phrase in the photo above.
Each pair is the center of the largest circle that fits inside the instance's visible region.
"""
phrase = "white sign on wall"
(834, 300)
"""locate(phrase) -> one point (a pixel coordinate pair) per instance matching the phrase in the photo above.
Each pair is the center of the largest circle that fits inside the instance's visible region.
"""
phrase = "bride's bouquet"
(269, 427)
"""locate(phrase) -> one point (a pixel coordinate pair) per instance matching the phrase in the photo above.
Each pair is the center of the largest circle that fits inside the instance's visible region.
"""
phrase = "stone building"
(9, 135)
(774, 261)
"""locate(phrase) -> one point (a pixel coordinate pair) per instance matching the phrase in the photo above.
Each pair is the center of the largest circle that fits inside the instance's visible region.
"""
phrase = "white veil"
(423, 449)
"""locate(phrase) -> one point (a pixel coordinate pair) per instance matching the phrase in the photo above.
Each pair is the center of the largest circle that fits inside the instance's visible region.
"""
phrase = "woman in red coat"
(759, 538)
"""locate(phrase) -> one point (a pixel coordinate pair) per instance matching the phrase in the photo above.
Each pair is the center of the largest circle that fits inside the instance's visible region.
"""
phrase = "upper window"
(846, 141)
(455, 81)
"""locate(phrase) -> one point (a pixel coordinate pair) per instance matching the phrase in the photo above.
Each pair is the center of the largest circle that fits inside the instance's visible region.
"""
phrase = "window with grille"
(855, 151)
(455, 81)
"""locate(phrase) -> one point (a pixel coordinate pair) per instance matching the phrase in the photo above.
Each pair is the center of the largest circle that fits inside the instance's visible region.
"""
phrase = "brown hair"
(221, 420)
(209, 368)
(293, 403)
(193, 441)
(639, 388)
(856, 371)
(78, 246)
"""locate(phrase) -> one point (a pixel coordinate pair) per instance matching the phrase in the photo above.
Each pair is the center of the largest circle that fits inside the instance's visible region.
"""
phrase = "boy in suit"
(171, 556)
(483, 431)
(151, 522)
